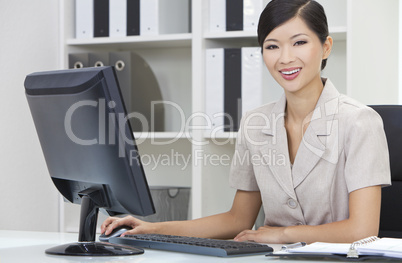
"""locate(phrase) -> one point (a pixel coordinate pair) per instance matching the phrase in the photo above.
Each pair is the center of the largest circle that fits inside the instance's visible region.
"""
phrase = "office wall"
(28, 43)
(400, 52)
(370, 41)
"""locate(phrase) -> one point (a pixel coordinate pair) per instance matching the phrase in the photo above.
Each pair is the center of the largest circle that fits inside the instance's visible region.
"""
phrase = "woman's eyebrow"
(292, 37)
(297, 35)
(270, 39)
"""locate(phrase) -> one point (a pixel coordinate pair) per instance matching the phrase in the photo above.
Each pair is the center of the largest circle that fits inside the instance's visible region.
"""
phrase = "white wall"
(400, 52)
(374, 38)
(28, 43)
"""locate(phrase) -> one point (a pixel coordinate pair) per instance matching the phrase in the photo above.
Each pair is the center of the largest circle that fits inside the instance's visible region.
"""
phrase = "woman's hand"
(138, 226)
(264, 234)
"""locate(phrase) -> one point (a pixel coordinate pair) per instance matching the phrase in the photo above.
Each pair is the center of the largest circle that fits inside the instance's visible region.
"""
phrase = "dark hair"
(278, 12)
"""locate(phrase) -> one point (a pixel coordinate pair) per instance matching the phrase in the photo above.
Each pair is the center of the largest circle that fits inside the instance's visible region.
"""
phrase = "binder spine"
(214, 89)
(133, 17)
(217, 15)
(234, 15)
(252, 76)
(149, 23)
(117, 18)
(101, 18)
(84, 27)
(234, 85)
(252, 11)
(232, 89)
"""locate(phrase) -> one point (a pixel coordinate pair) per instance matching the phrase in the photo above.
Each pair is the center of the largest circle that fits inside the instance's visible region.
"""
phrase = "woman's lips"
(290, 73)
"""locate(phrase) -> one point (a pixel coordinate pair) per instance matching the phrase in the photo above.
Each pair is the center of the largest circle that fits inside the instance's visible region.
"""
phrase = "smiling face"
(293, 54)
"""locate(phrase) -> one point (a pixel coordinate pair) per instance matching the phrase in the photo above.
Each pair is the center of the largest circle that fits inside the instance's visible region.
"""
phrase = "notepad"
(373, 246)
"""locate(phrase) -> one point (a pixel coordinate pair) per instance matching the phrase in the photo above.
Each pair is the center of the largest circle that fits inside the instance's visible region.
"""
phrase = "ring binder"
(119, 65)
(78, 60)
(368, 248)
(352, 253)
(78, 64)
(98, 64)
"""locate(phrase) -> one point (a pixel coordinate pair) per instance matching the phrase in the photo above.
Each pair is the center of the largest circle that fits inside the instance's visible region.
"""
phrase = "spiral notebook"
(372, 247)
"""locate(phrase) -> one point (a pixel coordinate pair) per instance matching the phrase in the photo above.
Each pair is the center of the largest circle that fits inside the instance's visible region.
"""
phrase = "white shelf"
(338, 33)
(231, 34)
(168, 40)
(338, 29)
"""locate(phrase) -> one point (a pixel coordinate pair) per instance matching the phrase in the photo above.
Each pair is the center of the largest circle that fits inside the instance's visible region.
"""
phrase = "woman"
(316, 163)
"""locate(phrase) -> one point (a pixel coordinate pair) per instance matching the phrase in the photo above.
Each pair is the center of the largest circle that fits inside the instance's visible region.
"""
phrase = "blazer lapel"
(318, 141)
(320, 135)
(276, 153)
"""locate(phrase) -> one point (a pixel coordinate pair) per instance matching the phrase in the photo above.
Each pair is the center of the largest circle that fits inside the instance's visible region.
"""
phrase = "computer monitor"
(89, 148)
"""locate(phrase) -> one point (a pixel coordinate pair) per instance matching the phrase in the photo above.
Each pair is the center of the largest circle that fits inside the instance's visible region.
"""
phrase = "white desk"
(25, 246)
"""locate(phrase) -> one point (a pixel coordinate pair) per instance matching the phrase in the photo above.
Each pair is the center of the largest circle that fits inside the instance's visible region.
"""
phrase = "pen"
(294, 245)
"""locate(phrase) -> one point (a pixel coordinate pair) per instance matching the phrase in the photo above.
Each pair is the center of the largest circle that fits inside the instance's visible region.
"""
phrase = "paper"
(322, 247)
(387, 247)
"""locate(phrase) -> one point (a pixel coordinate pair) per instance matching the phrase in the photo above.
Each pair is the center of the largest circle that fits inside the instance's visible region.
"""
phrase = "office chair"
(391, 200)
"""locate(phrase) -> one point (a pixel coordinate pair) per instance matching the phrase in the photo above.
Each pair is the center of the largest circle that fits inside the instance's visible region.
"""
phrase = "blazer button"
(292, 203)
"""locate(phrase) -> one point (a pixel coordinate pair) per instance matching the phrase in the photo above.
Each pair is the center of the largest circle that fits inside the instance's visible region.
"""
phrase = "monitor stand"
(86, 245)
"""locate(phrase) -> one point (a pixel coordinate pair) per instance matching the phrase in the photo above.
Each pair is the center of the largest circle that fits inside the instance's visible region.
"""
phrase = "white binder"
(251, 13)
(214, 90)
(251, 78)
(149, 13)
(258, 85)
(84, 19)
(164, 17)
(117, 18)
(217, 15)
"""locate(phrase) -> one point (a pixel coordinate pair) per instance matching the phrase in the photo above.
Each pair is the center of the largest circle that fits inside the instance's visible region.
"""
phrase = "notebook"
(372, 247)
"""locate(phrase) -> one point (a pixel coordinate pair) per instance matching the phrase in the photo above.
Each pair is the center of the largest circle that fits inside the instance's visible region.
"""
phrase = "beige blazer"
(343, 149)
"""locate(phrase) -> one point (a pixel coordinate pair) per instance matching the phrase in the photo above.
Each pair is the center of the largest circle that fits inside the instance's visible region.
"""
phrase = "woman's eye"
(301, 42)
(271, 47)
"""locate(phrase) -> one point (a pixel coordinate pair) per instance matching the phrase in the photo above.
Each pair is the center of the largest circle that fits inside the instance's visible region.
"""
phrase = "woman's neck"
(301, 104)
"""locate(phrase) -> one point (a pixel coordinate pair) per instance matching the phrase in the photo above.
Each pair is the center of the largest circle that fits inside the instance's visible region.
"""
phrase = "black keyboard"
(202, 246)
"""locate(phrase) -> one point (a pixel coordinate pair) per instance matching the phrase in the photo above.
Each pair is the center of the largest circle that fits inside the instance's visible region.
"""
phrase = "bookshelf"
(130, 42)
(178, 61)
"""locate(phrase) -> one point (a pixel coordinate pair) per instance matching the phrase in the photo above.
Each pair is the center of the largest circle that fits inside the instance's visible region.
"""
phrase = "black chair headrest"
(392, 119)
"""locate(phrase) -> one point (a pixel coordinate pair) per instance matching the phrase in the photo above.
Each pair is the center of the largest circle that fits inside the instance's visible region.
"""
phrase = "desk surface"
(25, 246)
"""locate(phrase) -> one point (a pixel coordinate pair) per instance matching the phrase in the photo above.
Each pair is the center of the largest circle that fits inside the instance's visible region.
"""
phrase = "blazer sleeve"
(366, 151)
(241, 171)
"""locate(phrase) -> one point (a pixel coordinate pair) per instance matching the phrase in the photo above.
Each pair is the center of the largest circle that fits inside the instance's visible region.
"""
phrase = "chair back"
(391, 200)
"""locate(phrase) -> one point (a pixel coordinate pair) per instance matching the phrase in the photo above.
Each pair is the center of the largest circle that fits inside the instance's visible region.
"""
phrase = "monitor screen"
(88, 143)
